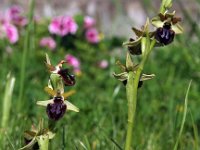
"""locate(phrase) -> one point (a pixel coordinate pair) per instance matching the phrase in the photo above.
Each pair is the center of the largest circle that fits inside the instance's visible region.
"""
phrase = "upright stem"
(24, 55)
(131, 93)
(43, 142)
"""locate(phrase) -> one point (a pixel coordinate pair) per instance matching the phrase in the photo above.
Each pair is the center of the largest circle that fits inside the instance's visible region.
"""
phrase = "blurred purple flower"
(92, 35)
(10, 32)
(89, 22)
(48, 42)
(14, 15)
(103, 64)
(73, 61)
(63, 25)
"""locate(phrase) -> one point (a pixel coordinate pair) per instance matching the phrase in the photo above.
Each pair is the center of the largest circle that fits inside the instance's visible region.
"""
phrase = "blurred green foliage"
(101, 122)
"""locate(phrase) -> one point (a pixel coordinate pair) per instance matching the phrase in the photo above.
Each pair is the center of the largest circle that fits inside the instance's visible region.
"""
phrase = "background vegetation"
(101, 122)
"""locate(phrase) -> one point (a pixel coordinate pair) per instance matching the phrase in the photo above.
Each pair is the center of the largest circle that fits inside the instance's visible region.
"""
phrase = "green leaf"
(7, 100)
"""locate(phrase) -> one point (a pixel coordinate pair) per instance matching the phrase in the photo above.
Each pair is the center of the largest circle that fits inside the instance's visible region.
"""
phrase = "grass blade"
(184, 117)
(7, 104)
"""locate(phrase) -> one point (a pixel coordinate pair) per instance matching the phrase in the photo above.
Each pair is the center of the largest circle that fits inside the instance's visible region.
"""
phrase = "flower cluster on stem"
(167, 26)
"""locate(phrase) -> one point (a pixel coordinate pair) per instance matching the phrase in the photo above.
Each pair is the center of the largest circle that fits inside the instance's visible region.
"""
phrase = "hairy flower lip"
(69, 80)
(57, 109)
(165, 34)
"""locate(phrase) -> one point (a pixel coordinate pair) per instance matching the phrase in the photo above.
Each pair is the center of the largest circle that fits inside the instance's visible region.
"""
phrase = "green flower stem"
(52, 125)
(131, 93)
(43, 142)
(24, 55)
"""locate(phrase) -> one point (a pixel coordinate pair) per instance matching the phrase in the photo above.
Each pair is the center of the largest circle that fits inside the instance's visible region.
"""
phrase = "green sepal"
(29, 145)
(133, 43)
(137, 32)
(177, 28)
(129, 62)
(121, 76)
(71, 107)
(124, 76)
(56, 82)
(44, 103)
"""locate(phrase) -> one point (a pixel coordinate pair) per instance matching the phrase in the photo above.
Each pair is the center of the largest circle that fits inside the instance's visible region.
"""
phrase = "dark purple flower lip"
(165, 35)
(57, 109)
(68, 79)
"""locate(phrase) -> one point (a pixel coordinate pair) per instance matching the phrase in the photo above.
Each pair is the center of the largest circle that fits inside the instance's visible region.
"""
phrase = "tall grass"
(184, 117)
(26, 49)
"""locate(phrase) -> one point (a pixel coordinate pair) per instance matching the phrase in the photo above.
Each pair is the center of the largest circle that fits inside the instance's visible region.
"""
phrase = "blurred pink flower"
(77, 71)
(63, 25)
(89, 22)
(103, 64)
(10, 32)
(73, 61)
(14, 15)
(3, 19)
(92, 35)
(48, 42)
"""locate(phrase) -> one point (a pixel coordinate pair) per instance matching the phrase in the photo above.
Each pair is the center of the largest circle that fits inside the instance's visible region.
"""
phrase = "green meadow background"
(101, 122)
